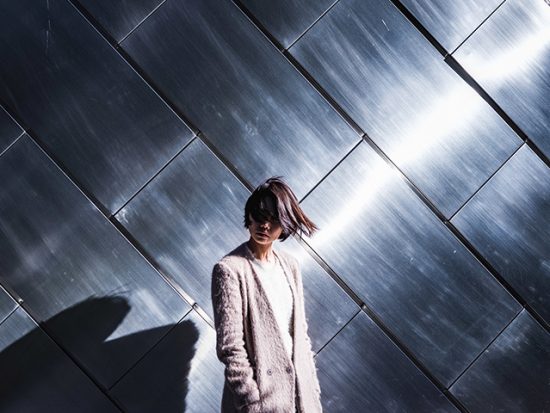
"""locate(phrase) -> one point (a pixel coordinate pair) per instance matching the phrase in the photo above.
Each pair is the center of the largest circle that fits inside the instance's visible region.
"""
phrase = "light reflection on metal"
(341, 220)
(441, 115)
(392, 83)
(508, 56)
(406, 265)
(514, 59)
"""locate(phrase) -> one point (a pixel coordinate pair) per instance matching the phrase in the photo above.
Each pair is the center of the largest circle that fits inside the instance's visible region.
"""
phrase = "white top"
(279, 294)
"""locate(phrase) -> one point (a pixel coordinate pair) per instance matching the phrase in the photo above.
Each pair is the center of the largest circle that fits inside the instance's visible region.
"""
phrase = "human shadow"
(38, 375)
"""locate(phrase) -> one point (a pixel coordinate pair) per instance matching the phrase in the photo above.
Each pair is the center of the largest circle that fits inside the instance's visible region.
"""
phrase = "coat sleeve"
(315, 379)
(230, 345)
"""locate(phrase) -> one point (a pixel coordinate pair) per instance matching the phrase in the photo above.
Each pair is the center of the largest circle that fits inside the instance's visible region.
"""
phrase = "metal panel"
(9, 130)
(362, 371)
(406, 265)
(38, 377)
(328, 307)
(509, 56)
(286, 20)
(512, 375)
(89, 108)
(451, 22)
(397, 88)
(74, 270)
(181, 374)
(191, 215)
(218, 69)
(120, 17)
(188, 218)
(7, 305)
(508, 221)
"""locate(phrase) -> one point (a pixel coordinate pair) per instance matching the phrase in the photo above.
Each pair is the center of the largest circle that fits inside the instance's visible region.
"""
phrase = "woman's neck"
(262, 252)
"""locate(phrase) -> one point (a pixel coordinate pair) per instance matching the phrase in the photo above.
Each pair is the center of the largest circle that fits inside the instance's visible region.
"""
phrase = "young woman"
(258, 302)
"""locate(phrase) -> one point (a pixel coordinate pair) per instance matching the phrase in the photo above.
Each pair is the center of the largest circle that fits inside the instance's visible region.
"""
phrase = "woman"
(258, 302)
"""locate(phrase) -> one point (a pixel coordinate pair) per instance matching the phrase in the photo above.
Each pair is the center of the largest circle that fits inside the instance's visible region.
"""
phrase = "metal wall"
(415, 133)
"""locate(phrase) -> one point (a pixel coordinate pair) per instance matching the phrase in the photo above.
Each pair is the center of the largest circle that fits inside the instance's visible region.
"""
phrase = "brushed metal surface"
(9, 130)
(406, 265)
(508, 221)
(189, 217)
(82, 100)
(75, 271)
(361, 370)
(16, 327)
(328, 307)
(397, 88)
(286, 20)
(512, 375)
(261, 114)
(451, 22)
(38, 377)
(181, 374)
(7, 305)
(509, 56)
(120, 17)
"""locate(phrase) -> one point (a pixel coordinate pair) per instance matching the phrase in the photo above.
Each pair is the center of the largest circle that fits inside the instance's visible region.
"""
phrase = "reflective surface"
(512, 374)
(181, 374)
(119, 17)
(90, 109)
(328, 307)
(362, 371)
(74, 270)
(451, 22)
(188, 218)
(191, 215)
(404, 263)
(7, 305)
(9, 130)
(392, 82)
(38, 377)
(248, 100)
(508, 221)
(111, 290)
(286, 20)
(509, 56)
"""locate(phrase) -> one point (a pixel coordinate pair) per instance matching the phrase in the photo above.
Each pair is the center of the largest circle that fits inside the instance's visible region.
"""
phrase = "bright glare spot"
(351, 208)
(512, 60)
(445, 116)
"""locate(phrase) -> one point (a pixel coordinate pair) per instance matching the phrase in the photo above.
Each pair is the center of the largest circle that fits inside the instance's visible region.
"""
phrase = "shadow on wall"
(37, 376)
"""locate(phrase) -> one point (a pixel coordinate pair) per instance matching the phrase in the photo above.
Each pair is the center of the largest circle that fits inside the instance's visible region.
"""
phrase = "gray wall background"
(415, 134)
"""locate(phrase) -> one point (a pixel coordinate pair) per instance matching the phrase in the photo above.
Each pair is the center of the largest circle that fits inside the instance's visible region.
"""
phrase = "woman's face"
(267, 231)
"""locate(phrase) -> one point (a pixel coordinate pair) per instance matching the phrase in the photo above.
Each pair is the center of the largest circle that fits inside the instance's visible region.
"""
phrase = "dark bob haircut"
(287, 209)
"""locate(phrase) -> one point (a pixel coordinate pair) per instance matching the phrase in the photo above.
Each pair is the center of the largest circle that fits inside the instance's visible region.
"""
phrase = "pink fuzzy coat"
(259, 375)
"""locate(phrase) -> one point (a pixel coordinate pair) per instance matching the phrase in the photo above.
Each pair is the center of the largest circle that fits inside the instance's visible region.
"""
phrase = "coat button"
(269, 372)
(288, 370)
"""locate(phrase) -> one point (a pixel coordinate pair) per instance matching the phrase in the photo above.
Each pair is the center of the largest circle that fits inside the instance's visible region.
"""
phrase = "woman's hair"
(288, 211)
